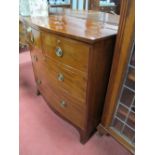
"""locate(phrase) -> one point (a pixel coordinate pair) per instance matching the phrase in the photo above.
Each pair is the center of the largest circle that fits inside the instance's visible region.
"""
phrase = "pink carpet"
(42, 132)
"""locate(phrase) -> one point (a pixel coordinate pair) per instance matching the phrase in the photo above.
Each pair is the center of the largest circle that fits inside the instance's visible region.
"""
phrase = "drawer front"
(67, 51)
(64, 104)
(70, 81)
(37, 59)
(22, 34)
(33, 38)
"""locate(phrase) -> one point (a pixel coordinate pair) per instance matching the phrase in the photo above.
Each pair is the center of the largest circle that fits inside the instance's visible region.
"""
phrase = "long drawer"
(70, 52)
(64, 104)
(68, 80)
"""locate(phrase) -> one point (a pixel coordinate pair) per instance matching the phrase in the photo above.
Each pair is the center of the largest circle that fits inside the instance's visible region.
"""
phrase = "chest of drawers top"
(87, 26)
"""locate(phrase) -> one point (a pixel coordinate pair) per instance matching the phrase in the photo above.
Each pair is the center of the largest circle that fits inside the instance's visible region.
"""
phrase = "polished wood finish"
(89, 15)
(34, 40)
(22, 39)
(72, 55)
(91, 26)
(100, 63)
(124, 43)
(70, 109)
(73, 83)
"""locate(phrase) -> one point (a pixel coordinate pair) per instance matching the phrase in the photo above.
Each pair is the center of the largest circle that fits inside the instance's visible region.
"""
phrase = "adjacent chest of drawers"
(71, 74)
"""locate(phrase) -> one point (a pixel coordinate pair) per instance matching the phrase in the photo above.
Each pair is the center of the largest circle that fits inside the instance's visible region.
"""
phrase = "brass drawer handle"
(60, 77)
(58, 52)
(63, 104)
(38, 82)
(29, 30)
(32, 38)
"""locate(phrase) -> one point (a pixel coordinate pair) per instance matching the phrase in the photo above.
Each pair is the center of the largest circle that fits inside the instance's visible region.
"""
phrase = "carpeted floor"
(42, 132)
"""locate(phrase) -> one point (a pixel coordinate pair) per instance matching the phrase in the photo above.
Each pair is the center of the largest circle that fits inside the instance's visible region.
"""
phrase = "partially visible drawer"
(34, 39)
(64, 104)
(37, 59)
(68, 80)
(67, 51)
(22, 34)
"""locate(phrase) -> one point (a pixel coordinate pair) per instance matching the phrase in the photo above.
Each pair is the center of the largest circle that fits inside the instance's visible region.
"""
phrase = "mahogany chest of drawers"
(71, 59)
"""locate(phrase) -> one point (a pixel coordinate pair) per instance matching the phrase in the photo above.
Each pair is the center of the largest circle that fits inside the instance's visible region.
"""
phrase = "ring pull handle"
(63, 104)
(29, 30)
(32, 38)
(58, 52)
(60, 77)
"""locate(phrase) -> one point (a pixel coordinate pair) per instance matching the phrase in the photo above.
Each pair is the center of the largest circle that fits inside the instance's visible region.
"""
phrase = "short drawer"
(67, 51)
(68, 80)
(65, 105)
